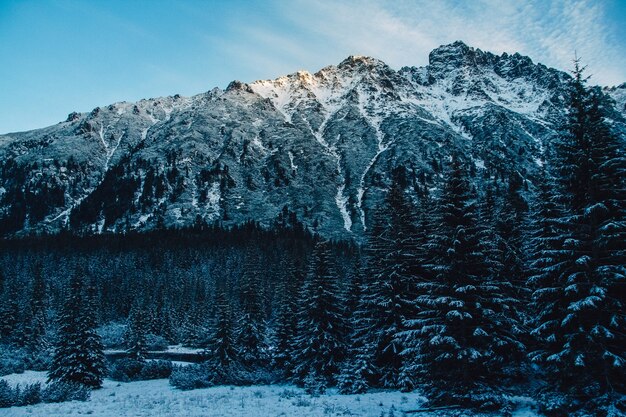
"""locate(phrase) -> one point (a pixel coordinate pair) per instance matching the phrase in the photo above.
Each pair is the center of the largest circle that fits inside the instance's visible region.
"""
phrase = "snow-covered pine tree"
(286, 322)
(9, 310)
(38, 308)
(424, 275)
(547, 258)
(508, 218)
(319, 346)
(580, 279)
(136, 331)
(79, 355)
(505, 262)
(390, 290)
(251, 326)
(223, 357)
(461, 328)
(92, 342)
(164, 320)
(358, 373)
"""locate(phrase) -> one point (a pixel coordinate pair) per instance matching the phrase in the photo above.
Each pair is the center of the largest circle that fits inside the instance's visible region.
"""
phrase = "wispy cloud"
(403, 32)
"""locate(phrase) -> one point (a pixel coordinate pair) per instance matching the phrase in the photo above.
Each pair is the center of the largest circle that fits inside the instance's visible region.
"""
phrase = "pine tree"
(390, 291)
(79, 355)
(9, 311)
(580, 277)
(319, 347)
(92, 346)
(357, 372)
(251, 326)
(136, 332)
(38, 308)
(224, 362)
(286, 320)
(461, 329)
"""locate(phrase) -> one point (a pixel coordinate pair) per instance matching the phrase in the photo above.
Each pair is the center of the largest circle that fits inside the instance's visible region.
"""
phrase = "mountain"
(321, 147)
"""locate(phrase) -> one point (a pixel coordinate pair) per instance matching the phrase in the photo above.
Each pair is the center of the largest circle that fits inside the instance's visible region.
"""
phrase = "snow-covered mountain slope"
(618, 94)
(323, 146)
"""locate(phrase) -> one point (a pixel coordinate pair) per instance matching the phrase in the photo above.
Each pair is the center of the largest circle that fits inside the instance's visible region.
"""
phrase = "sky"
(59, 56)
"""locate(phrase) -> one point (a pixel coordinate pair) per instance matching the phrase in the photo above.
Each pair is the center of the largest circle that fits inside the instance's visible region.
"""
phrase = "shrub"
(16, 360)
(112, 335)
(126, 370)
(57, 392)
(11, 365)
(7, 394)
(156, 370)
(31, 394)
(40, 361)
(190, 377)
(314, 384)
(154, 342)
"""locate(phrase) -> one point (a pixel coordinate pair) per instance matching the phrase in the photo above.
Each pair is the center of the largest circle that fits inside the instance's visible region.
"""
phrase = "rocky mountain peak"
(323, 145)
(450, 57)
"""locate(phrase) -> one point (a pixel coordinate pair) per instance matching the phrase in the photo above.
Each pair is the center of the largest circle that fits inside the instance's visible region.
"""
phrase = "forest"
(470, 293)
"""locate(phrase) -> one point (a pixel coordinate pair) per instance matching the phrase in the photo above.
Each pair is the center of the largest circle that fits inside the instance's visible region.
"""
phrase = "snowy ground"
(157, 398)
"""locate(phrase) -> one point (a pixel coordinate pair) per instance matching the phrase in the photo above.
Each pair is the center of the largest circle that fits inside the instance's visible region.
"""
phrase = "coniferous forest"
(469, 294)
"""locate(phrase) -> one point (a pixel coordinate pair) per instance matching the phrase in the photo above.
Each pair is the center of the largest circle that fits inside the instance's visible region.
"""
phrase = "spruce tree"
(358, 372)
(136, 332)
(286, 320)
(224, 362)
(78, 356)
(251, 326)
(38, 308)
(579, 278)
(9, 311)
(461, 329)
(319, 347)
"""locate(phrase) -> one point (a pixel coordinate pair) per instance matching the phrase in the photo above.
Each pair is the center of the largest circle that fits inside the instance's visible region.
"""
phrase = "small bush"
(314, 384)
(156, 370)
(11, 366)
(112, 335)
(57, 392)
(31, 394)
(190, 377)
(288, 394)
(7, 394)
(154, 342)
(17, 360)
(40, 361)
(126, 370)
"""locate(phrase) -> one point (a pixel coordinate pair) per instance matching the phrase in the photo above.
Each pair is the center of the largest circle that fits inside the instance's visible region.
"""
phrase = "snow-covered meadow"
(157, 398)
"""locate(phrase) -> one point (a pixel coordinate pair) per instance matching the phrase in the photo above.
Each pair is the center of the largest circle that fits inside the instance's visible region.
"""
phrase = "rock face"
(323, 145)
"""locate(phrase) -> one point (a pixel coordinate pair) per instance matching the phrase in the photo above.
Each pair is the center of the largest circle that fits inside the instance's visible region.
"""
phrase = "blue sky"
(68, 55)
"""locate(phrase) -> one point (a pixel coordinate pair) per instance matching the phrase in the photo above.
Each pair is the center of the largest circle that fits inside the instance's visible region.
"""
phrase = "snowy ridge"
(251, 149)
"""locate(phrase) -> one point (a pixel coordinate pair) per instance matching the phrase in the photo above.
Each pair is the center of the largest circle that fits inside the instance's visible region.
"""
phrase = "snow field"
(157, 398)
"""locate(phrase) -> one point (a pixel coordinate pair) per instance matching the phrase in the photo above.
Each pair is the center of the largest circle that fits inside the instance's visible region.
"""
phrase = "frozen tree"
(462, 328)
(224, 361)
(319, 347)
(136, 331)
(38, 309)
(286, 322)
(79, 356)
(387, 299)
(251, 326)
(580, 271)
